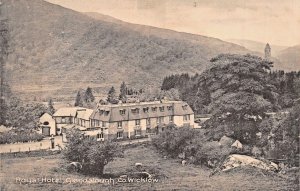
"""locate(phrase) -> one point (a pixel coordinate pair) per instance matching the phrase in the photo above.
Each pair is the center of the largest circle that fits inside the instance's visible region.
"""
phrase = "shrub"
(92, 154)
(174, 141)
(191, 145)
(14, 136)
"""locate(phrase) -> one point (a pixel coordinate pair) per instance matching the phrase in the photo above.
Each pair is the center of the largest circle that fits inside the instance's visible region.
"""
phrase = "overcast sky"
(273, 21)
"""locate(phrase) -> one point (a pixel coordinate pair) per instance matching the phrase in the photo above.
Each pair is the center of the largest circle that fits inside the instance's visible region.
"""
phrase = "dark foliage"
(22, 115)
(15, 136)
(85, 98)
(189, 144)
(92, 154)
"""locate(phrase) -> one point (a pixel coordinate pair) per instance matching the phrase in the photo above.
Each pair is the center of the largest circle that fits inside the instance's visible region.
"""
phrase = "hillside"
(290, 58)
(55, 51)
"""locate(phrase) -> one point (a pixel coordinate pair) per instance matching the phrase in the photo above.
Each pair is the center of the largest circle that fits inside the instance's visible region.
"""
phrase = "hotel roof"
(143, 110)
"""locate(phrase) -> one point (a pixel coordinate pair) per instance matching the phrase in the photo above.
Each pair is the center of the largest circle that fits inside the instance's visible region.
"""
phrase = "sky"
(273, 21)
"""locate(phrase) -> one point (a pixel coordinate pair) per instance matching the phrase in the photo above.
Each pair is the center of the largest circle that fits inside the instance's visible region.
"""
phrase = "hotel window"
(119, 124)
(137, 122)
(103, 124)
(161, 119)
(119, 135)
(148, 121)
(138, 132)
(100, 136)
(171, 118)
(157, 120)
(122, 111)
(148, 130)
(154, 109)
(97, 123)
(106, 113)
(63, 120)
(186, 117)
(162, 109)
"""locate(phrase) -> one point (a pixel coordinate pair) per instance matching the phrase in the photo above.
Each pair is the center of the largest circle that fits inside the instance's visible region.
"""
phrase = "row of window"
(63, 120)
(159, 120)
(146, 109)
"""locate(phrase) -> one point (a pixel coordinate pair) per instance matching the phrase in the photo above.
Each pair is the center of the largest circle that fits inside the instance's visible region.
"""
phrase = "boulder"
(235, 160)
(237, 144)
(226, 141)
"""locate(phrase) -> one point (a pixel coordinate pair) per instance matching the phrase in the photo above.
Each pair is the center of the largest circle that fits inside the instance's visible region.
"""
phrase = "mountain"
(258, 46)
(55, 51)
(290, 58)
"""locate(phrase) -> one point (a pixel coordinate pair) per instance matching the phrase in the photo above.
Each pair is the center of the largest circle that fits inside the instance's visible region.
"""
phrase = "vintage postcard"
(149, 95)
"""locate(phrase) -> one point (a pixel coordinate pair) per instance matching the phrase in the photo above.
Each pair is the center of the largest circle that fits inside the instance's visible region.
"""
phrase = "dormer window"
(135, 110)
(170, 108)
(106, 113)
(184, 107)
(162, 109)
(146, 109)
(154, 109)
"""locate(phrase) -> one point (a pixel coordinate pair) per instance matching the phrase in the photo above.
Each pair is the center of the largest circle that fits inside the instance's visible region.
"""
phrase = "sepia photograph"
(146, 95)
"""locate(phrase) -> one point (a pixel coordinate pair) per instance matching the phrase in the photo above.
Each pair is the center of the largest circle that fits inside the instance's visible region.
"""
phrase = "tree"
(92, 154)
(50, 108)
(23, 115)
(89, 97)
(123, 91)
(4, 37)
(241, 91)
(78, 100)
(111, 97)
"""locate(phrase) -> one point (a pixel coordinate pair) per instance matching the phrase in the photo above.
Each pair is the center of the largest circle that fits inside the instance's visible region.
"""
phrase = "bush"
(173, 142)
(14, 136)
(191, 145)
(91, 154)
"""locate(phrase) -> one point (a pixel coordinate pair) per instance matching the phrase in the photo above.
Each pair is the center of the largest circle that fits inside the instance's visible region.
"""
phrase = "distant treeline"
(194, 90)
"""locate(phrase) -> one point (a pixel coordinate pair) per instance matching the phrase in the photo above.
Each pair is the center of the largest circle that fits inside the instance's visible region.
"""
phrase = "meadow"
(20, 173)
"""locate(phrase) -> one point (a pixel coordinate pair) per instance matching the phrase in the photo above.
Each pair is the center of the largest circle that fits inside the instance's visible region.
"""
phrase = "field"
(171, 175)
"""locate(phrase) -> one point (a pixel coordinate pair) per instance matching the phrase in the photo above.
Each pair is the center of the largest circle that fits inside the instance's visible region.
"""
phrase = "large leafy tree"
(92, 154)
(240, 94)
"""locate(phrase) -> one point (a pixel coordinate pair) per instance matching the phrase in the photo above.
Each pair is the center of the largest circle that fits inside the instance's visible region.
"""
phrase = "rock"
(226, 141)
(183, 162)
(235, 160)
(237, 144)
(74, 166)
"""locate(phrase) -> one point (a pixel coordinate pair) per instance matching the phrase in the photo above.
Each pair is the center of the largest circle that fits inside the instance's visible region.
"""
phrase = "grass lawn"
(172, 175)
